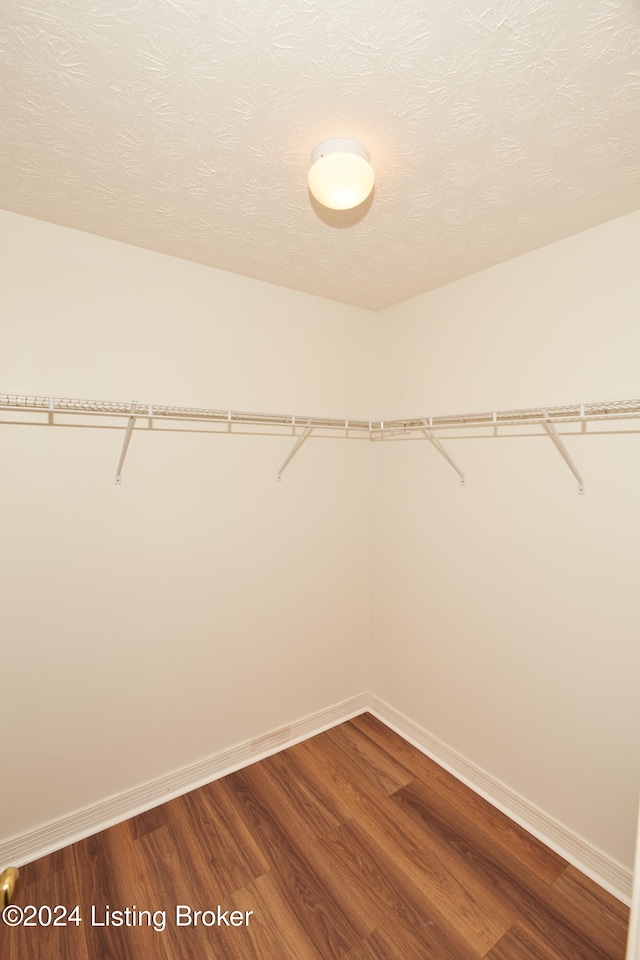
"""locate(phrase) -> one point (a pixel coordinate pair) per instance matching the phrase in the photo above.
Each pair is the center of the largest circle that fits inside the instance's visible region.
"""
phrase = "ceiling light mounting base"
(341, 176)
(339, 145)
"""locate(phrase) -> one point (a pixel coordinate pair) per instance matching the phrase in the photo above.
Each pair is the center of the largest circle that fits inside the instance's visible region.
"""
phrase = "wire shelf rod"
(577, 413)
(98, 408)
(376, 430)
(568, 413)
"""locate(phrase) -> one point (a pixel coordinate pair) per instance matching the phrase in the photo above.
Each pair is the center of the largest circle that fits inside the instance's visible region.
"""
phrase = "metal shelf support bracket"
(125, 443)
(438, 445)
(550, 427)
(303, 436)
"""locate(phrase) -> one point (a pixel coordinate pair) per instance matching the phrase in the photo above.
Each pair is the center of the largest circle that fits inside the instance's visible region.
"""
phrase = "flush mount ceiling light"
(341, 176)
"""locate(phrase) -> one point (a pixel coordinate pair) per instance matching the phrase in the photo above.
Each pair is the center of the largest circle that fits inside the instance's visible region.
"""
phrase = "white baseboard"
(56, 834)
(23, 848)
(606, 871)
(633, 944)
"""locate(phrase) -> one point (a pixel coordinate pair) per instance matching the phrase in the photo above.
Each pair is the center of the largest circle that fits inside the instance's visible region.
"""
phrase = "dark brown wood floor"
(352, 844)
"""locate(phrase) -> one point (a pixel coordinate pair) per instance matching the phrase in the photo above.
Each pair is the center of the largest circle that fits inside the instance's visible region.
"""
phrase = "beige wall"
(507, 614)
(202, 603)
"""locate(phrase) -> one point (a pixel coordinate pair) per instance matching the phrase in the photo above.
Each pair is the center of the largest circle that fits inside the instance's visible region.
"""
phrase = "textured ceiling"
(185, 126)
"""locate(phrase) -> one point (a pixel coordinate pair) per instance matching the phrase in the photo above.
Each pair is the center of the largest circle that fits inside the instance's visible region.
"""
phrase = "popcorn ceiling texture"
(185, 126)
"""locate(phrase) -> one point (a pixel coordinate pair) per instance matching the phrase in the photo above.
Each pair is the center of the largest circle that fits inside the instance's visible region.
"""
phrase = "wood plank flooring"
(350, 845)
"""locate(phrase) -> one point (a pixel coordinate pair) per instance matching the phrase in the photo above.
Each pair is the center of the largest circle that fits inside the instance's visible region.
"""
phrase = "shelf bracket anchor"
(125, 443)
(550, 427)
(436, 443)
(303, 436)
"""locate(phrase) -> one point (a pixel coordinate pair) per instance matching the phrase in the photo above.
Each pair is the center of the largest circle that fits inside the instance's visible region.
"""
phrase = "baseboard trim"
(52, 836)
(606, 871)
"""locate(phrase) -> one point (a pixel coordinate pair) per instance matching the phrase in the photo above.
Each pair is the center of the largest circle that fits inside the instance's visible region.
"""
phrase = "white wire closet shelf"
(548, 417)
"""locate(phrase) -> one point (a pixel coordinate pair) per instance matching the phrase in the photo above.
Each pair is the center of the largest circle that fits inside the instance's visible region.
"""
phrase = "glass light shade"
(341, 176)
